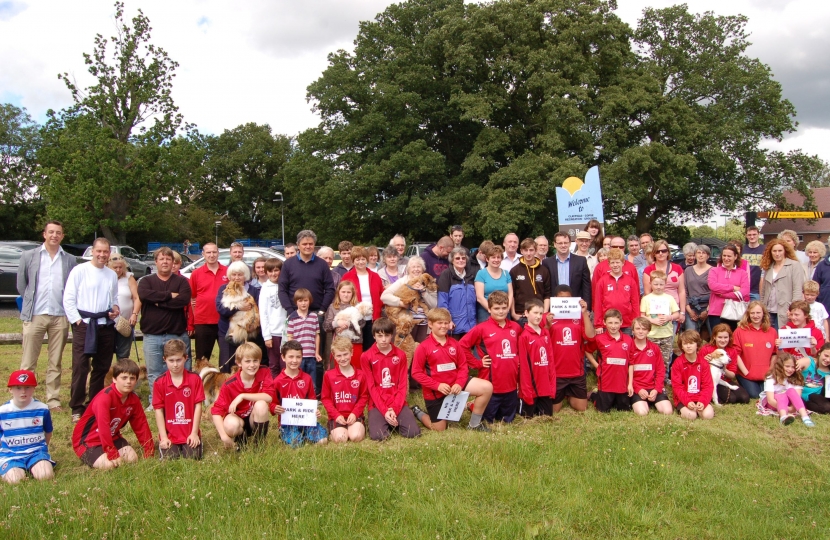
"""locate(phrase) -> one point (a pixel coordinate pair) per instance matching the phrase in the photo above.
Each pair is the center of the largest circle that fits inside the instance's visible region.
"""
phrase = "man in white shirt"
(90, 301)
(40, 281)
(511, 248)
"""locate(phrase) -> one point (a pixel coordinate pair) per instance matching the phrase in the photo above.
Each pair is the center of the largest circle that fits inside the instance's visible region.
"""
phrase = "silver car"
(10, 253)
(134, 263)
(251, 254)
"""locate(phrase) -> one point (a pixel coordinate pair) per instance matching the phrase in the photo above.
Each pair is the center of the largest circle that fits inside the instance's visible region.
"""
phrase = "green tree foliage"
(20, 203)
(104, 158)
(450, 113)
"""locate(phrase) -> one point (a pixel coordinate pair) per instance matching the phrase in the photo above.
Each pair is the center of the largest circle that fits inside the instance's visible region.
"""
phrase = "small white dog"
(718, 359)
(352, 316)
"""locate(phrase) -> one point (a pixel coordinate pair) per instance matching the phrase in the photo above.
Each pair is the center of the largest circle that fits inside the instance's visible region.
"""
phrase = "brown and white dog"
(243, 324)
(718, 360)
(212, 379)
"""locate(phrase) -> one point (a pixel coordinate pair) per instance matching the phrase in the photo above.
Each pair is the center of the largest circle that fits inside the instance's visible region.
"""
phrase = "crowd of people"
(366, 332)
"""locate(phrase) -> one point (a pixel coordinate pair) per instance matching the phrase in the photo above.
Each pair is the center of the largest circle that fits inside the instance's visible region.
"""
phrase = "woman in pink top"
(725, 281)
(675, 284)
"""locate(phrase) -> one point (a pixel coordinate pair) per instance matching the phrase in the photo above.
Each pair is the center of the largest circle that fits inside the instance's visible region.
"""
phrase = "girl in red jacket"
(691, 380)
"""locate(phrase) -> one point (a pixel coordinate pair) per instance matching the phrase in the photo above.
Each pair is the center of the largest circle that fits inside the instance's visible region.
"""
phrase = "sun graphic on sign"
(572, 184)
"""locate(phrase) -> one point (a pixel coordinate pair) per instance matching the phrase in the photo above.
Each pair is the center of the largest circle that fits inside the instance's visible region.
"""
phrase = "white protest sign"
(827, 387)
(299, 412)
(659, 305)
(453, 406)
(565, 307)
(792, 338)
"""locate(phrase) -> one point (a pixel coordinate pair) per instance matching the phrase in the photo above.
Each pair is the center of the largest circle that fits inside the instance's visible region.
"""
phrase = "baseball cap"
(22, 377)
(583, 235)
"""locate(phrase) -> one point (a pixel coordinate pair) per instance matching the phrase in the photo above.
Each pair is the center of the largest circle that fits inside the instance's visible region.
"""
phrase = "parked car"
(134, 262)
(10, 253)
(416, 248)
(251, 254)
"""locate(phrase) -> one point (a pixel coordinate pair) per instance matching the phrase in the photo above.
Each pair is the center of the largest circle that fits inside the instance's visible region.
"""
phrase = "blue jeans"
(309, 365)
(754, 296)
(753, 388)
(154, 356)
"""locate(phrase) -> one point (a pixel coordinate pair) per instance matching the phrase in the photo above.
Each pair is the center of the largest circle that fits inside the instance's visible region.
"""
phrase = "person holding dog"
(415, 268)
(722, 339)
(239, 273)
(163, 295)
(345, 296)
(368, 287)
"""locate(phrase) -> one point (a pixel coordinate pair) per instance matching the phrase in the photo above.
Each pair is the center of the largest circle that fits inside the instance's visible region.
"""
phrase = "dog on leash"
(352, 316)
(243, 324)
(212, 379)
(718, 360)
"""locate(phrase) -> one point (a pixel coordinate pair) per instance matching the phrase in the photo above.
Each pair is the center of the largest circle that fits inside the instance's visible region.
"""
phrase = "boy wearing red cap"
(25, 432)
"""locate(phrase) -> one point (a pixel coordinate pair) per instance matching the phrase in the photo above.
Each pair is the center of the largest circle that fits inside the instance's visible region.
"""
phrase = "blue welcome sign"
(579, 202)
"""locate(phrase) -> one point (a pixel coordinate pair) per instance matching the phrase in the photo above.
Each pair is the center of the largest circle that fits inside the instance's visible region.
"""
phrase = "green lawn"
(573, 476)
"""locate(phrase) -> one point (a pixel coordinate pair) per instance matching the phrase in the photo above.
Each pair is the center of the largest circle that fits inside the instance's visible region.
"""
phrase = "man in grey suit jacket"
(41, 278)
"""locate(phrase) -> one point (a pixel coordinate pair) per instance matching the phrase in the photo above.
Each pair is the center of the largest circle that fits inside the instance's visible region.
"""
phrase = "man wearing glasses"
(602, 268)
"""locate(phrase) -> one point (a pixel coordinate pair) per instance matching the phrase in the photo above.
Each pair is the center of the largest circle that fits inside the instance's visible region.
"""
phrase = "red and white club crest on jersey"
(692, 386)
(625, 346)
(505, 347)
(627, 288)
(114, 425)
(301, 384)
(452, 350)
(566, 334)
(396, 360)
(512, 332)
(355, 383)
(129, 411)
(649, 353)
(186, 392)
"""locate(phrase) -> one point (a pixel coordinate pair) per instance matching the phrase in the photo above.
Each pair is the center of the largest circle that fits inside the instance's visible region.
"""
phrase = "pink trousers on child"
(790, 397)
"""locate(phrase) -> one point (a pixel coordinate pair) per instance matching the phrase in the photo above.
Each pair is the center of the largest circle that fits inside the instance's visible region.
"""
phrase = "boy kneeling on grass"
(440, 367)
(294, 383)
(691, 380)
(242, 408)
(345, 394)
(386, 374)
(177, 403)
(25, 432)
(97, 438)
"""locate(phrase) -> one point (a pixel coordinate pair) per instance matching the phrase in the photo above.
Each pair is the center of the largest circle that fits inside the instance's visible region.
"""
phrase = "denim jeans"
(309, 365)
(753, 388)
(154, 356)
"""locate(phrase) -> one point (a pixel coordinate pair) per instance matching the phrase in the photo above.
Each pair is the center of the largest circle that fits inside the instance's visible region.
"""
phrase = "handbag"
(734, 309)
(122, 326)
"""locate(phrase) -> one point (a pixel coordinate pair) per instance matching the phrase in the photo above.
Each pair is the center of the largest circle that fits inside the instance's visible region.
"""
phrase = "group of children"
(528, 371)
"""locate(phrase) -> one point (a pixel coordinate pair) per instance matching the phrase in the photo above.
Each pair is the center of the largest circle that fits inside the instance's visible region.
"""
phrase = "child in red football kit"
(177, 402)
(242, 409)
(568, 339)
(97, 438)
(386, 376)
(345, 394)
(614, 349)
(799, 317)
(537, 376)
(497, 342)
(441, 369)
(646, 372)
(691, 380)
(293, 383)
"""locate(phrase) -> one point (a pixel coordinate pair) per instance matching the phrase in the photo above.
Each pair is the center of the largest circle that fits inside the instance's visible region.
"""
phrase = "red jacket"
(343, 395)
(502, 344)
(375, 290)
(756, 349)
(103, 419)
(386, 377)
(621, 293)
(814, 332)
(537, 374)
(649, 369)
(263, 384)
(602, 268)
(691, 381)
(204, 286)
(434, 364)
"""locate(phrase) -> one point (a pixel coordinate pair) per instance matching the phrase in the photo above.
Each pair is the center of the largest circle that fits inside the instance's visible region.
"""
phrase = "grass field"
(572, 476)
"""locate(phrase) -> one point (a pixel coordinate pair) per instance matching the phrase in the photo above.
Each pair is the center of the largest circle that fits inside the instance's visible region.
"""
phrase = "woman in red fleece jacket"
(691, 380)
(369, 287)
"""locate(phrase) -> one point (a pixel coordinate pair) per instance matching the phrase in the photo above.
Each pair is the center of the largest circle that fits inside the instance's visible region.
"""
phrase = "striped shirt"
(23, 431)
(305, 330)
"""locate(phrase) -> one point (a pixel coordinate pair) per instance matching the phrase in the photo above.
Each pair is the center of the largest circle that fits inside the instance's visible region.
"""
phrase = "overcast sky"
(251, 60)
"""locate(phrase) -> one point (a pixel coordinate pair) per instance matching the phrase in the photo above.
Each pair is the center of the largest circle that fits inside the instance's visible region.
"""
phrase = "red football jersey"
(263, 384)
(344, 395)
(615, 354)
(621, 293)
(568, 340)
(178, 404)
(103, 420)
(434, 364)
(649, 369)
(501, 343)
(386, 377)
(691, 381)
(299, 387)
(537, 374)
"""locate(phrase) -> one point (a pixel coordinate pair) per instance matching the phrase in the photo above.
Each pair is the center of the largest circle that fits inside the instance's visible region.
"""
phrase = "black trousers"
(100, 363)
(206, 337)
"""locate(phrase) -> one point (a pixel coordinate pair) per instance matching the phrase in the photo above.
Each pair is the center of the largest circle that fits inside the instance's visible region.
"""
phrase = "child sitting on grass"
(537, 375)
(385, 368)
(440, 368)
(815, 382)
(97, 438)
(242, 408)
(345, 394)
(25, 432)
(783, 387)
(177, 402)
(293, 383)
(691, 380)
(497, 343)
(646, 372)
(614, 349)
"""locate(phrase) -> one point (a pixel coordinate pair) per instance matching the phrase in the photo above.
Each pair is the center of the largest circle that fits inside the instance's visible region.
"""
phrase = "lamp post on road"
(218, 223)
(279, 199)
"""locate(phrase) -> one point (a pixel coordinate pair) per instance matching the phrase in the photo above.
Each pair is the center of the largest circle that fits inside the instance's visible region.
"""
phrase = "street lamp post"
(218, 223)
(279, 199)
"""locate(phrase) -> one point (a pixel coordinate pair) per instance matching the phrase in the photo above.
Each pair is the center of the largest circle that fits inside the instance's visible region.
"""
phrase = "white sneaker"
(149, 408)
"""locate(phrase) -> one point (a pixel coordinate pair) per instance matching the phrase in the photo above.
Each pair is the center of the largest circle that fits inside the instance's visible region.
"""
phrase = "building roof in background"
(822, 197)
